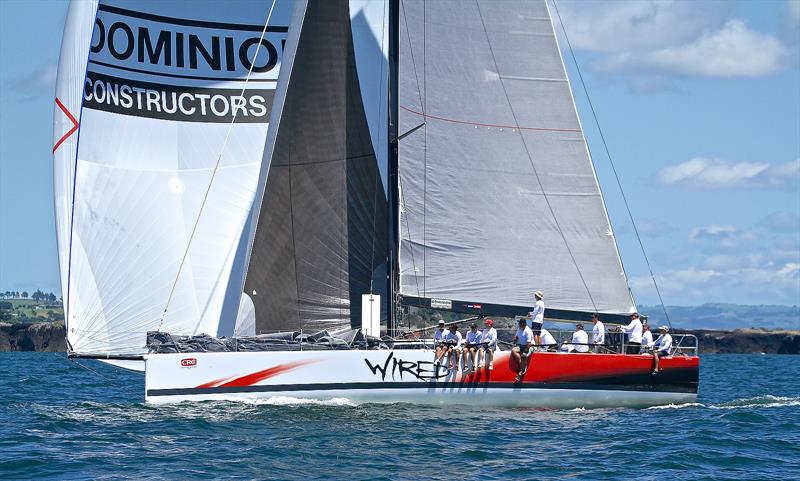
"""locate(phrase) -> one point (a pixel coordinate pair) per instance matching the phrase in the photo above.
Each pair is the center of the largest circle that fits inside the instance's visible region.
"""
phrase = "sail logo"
(183, 48)
(153, 66)
(189, 362)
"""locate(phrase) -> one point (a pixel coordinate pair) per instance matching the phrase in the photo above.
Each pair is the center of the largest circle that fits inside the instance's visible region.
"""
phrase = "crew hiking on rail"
(476, 349)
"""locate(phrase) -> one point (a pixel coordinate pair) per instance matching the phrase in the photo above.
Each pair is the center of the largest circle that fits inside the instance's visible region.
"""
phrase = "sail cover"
(320, 240)
(498, 192)
(162, 107)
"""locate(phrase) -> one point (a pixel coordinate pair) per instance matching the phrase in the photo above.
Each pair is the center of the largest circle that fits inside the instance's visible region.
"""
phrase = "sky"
(699, 103)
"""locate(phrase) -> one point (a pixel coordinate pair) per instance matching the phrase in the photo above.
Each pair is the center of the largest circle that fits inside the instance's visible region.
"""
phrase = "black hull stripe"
(433, 387)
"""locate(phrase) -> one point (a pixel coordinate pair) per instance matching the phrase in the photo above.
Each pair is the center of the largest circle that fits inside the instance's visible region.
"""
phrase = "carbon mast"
(393, 279)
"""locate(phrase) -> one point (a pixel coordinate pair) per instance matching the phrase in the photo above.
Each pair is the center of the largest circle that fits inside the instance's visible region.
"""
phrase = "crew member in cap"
(537, 317)
(488, 345)
(634, 330)
(522, 347)
(438, 341)
(580, 340)
(454, 341)
(661, 347)
(471, 343)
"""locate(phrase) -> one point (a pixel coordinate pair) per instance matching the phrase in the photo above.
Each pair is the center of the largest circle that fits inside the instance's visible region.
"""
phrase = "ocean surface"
(59, 420)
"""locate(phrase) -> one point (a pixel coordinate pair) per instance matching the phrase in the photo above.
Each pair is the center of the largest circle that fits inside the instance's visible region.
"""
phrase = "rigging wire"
(216, 167)
(530, 159)
(611, 161)
(424, 151)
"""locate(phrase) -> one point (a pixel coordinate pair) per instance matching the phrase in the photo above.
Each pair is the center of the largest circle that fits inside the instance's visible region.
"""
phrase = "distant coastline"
(50, 337)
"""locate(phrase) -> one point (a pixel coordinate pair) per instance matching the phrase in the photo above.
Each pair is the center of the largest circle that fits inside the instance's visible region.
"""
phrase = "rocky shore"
(49, 337)
(37, 336)
(747, 341)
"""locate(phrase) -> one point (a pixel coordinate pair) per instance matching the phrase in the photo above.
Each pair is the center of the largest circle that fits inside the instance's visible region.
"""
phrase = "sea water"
(59, 420)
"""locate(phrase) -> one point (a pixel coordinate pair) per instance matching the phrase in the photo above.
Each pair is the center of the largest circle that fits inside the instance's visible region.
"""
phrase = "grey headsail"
(499, 194)
(321, 233)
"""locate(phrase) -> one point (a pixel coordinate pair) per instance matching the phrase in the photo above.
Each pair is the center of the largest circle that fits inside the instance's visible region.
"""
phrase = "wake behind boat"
(326, 167)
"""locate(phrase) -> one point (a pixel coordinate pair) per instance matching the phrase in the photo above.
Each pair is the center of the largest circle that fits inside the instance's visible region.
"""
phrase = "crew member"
(473, 341)
(488, 345)
(661, 347)
(453, 340)
(537, 317)
(522, 347)
(647, 337)
(634, 330)
(598, 333)
(580, 341)
(438, 342)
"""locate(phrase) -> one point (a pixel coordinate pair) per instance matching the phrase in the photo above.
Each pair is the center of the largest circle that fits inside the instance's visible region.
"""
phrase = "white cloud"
(743, 284)
(717, 236)
(653, 40)
(41, 81)
(716, 173)
(732, 51)
(616, 26)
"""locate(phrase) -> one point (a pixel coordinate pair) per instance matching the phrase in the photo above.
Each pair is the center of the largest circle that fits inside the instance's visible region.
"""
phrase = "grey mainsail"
(499, 194)
(321, 234)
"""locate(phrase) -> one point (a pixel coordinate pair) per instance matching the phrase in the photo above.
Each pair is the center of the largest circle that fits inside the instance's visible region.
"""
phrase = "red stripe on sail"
(480, 124)
(71, 131)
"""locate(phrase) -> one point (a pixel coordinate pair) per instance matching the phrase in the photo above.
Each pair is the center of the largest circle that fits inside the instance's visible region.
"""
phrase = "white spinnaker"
(71, 74)
(145, 161)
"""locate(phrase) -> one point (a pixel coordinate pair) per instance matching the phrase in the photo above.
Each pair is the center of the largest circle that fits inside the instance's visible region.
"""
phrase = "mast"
(393, 278)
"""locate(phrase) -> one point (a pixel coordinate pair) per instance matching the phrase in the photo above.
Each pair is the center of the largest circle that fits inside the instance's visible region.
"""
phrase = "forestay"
(163, 103)
(499, 195)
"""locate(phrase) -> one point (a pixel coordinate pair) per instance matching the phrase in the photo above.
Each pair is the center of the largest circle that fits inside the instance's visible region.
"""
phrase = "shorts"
(536, 328)
(487, 347)
(662, 353)
(524, 350)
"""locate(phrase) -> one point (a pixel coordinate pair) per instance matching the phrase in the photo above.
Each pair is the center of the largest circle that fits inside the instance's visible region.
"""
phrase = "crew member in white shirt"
(548, 341)
(580, 341)
(647, 337)
(537, 317)
(488, 345)
(661, 347)
(522, 347)
(473, 341)
(453, 340)
(438, 342)
(598, 333)
(634, 330)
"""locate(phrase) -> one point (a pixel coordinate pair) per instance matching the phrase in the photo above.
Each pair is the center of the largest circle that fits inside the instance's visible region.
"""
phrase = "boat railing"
(616, 342)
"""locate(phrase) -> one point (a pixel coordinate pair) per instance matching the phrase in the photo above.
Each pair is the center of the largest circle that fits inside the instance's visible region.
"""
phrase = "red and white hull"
(553, 380)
